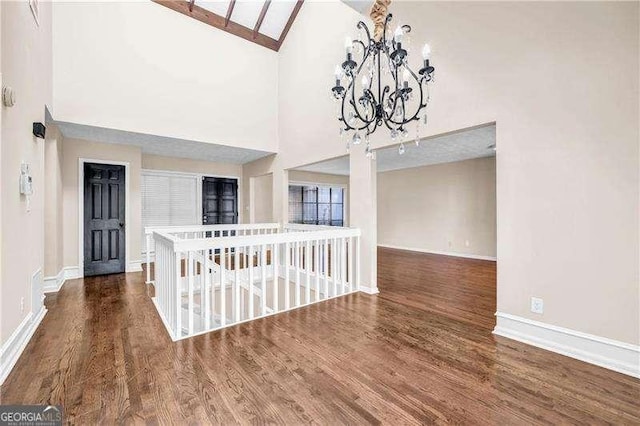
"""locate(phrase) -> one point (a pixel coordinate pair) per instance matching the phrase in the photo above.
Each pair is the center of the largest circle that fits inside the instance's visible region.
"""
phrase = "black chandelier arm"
(386, 123)
(421, 104)
(386, 26)
(404, 121)
(355, 108)
(361, 25)
(394, 94)
(363, 116)
(357, 111)
(383, 99)
(351, 88)
(365, 51)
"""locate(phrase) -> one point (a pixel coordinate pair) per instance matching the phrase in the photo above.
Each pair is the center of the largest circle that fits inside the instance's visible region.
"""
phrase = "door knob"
(121, 224)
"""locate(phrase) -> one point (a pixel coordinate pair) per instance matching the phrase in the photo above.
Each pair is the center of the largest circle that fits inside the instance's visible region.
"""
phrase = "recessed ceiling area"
(161, 145)
(467, 144)
(265, 22)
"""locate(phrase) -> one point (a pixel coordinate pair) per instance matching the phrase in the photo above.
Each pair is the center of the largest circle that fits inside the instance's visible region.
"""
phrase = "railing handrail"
(184, 245)
(197, 228)
(306, 227)
(165, 238)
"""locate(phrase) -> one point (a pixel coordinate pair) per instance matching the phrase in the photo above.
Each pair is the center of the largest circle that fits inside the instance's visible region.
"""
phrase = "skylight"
(263, 22)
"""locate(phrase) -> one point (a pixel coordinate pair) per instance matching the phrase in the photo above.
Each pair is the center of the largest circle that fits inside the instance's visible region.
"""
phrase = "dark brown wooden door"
(219, 201)
(104, 219)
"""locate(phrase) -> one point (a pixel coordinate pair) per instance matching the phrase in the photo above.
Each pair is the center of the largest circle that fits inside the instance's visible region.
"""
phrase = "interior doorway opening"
(437, 224)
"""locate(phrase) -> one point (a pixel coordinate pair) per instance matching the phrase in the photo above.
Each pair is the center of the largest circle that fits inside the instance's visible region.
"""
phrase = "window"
(316, 205)
(169, 199)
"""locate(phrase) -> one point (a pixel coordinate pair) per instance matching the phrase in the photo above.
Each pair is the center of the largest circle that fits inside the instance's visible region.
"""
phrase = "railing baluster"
(297, 261)
(236, 285)
(263, 270)
(251, 310)
(358, 270)
(334, 268)
(148, 256)
(212, 256)
(316, 268)
(343, 264)
(307, 267)
(178, 294)
(287, 272)
(326, 267)
(350, 264)
(205, 290)
(275, 261)
(223, 285)
(190, 307)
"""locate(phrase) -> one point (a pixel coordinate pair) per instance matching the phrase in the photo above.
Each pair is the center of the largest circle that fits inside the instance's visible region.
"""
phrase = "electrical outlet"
(22, 304)
(537, 305)
(466, 243)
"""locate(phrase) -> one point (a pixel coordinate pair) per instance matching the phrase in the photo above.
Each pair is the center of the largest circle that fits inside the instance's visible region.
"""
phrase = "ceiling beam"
(292, 18)
(263, 13)
(220, 22)
(232, 4)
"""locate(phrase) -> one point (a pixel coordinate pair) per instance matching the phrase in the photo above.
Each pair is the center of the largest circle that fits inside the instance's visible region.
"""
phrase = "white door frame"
(127, 215)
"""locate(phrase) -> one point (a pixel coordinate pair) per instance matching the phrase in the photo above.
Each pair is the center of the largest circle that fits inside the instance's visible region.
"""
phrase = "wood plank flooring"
(421, 352)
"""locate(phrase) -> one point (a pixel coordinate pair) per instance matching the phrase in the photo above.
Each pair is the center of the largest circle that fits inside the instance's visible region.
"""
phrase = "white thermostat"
(26, 181)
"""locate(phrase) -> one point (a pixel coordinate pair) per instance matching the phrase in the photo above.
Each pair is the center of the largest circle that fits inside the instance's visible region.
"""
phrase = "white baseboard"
(612, 354)
(134, 266)
(15, 344)
(443, 253)
(369, 290)
(71, 272)
(53, 284)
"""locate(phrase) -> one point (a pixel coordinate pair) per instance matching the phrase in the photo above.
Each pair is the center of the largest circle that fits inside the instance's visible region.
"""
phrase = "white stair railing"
(202, 231)
(204, 284)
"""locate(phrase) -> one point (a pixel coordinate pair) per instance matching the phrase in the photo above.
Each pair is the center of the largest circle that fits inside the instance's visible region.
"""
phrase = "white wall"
(26, 67)
(141, 67)
(444, 208)
(309, 130)
(262, 199)
(318, 178)
(561, 81)
(53, 203)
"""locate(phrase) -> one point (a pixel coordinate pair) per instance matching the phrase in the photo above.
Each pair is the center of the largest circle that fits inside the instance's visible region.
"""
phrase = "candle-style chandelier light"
(381, 89)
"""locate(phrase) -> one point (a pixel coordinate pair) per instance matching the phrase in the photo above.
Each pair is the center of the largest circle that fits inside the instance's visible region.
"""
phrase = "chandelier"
(381, 89)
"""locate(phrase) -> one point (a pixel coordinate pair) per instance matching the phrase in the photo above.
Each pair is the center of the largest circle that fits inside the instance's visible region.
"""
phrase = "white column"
(280, 193)
(363, 214)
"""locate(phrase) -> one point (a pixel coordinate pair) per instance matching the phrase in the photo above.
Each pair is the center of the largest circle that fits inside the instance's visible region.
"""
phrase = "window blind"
(168, 200)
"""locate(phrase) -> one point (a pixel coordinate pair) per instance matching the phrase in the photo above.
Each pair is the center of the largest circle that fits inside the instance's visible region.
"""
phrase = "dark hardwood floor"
(420, 352)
